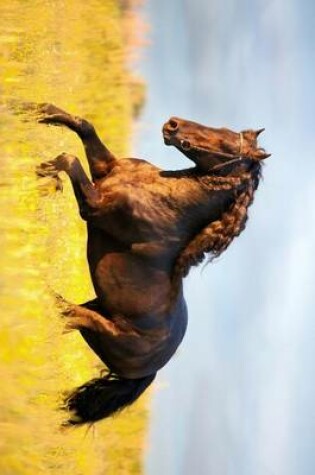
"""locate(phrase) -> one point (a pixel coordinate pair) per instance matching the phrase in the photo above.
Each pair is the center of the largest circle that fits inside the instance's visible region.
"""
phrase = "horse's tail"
(103, 397)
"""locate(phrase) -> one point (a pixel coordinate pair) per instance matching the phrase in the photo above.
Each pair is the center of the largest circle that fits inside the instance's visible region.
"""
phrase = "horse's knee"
(86, 128)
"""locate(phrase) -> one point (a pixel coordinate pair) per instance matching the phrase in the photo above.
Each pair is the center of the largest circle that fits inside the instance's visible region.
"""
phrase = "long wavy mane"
(214, 238)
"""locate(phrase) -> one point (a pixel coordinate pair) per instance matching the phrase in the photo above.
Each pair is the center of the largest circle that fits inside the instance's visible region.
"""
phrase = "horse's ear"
(260, 154)
(259, 131)
(250, 137)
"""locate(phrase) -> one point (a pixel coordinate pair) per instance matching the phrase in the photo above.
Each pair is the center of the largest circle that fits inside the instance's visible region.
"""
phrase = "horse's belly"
(126, 286)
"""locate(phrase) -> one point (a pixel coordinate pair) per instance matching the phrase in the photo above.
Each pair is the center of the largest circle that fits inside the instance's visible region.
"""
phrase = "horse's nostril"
(185, 144)
(173, 124)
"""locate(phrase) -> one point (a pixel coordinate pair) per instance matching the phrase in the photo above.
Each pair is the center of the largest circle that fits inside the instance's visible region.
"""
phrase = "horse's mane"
(214, 238)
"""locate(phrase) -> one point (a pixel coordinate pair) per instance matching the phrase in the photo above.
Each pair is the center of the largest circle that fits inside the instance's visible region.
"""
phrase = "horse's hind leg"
(79, 317)
(99, 157)
(86, 193)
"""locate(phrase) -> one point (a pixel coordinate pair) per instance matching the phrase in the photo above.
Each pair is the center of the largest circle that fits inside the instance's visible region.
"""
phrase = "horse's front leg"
(99, 157)
(86, 193)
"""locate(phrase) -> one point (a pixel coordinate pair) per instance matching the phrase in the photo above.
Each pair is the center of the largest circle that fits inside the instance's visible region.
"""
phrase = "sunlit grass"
(71, 54)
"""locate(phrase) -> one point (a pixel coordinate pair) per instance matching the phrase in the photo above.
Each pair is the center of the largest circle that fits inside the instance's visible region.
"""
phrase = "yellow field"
(69, 53)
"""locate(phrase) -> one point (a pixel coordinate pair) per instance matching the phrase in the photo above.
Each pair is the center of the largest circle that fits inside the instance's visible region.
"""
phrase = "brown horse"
(146, 228)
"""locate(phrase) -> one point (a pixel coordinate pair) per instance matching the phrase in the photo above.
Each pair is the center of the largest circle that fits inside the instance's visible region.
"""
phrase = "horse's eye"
(173, 124)
(185, 144)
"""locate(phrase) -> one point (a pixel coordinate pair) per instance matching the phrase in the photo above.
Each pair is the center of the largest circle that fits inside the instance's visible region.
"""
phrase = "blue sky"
(238, 398)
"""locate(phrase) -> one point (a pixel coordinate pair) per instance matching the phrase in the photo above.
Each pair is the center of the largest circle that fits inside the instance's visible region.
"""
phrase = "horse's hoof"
(49, 114)
(29, 111)
(63, 305)
(45, 171)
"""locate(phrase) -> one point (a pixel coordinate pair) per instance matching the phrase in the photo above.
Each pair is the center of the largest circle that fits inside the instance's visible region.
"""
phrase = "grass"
(72, 54)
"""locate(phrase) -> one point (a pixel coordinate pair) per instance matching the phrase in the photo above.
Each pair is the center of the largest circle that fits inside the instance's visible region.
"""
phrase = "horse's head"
(229, 162)
(211, 148)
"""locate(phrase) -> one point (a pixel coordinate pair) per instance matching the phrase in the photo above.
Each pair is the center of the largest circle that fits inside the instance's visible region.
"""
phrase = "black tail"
(103, 397)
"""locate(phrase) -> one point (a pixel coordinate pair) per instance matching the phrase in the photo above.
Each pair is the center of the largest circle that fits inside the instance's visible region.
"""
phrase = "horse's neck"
(192, 180)
(202, 200)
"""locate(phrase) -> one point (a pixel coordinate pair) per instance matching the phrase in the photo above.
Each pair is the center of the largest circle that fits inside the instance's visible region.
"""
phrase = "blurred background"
(237, 398)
